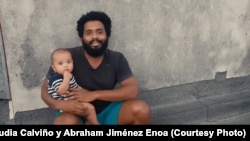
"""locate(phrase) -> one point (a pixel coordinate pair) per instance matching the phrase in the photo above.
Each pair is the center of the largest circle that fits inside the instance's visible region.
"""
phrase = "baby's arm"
(64, 87)
(79, 87)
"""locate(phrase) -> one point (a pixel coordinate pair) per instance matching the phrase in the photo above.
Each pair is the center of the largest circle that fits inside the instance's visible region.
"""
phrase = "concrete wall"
(167, 42)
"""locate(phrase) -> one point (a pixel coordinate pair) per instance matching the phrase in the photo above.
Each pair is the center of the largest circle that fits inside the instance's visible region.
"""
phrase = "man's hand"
(81, 95)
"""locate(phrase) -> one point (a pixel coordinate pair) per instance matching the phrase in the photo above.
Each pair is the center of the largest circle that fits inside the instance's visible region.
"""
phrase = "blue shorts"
(109, 116)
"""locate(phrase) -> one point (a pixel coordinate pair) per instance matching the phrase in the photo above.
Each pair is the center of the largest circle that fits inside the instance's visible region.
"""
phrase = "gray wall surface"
(167, 42)
(4, 83)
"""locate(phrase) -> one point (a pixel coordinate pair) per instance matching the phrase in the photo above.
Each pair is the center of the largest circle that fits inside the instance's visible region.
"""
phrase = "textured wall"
(4, 83)
(167, 42)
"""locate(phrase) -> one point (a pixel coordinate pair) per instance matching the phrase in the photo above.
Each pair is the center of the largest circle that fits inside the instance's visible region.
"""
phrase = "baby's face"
(62, 61)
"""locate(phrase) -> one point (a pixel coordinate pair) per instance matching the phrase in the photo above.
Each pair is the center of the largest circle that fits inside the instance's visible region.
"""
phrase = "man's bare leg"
(135, 112)
(67, 119)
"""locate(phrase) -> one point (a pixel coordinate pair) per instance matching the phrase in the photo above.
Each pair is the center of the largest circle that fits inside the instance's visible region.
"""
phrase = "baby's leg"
(91, 118)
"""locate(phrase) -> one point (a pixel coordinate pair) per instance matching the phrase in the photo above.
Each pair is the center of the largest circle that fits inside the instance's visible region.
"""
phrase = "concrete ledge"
(188, 113)
(35, 117)
(168, 96)
(240, 119)
(227, 105)
(206, 102)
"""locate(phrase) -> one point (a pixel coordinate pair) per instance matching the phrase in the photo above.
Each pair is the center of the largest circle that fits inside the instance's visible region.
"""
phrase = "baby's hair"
(57, 50)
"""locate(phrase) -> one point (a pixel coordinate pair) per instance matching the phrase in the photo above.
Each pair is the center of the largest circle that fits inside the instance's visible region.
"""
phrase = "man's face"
(95, 40)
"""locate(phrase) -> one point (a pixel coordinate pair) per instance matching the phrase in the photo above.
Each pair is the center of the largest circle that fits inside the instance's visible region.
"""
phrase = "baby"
(61, 79)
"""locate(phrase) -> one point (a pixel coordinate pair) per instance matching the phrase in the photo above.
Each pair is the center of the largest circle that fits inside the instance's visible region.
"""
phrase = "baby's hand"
(67, 75)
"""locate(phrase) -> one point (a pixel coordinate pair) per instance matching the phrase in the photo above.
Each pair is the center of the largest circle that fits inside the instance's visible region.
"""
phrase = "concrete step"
(220, 101)
(226, 105)
(168, 96)
(176, 107)
(184, 113)
(212, 87)
(241, 119)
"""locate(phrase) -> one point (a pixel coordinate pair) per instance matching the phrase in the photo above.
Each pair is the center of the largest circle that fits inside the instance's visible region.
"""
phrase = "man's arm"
(128, 89)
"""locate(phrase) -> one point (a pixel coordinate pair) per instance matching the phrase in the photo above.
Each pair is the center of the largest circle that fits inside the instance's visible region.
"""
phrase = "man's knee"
(140, 111)
(67, 119)
(140, 106)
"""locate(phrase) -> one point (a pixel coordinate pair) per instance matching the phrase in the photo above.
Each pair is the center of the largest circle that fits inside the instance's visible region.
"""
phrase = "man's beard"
(95, 52)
